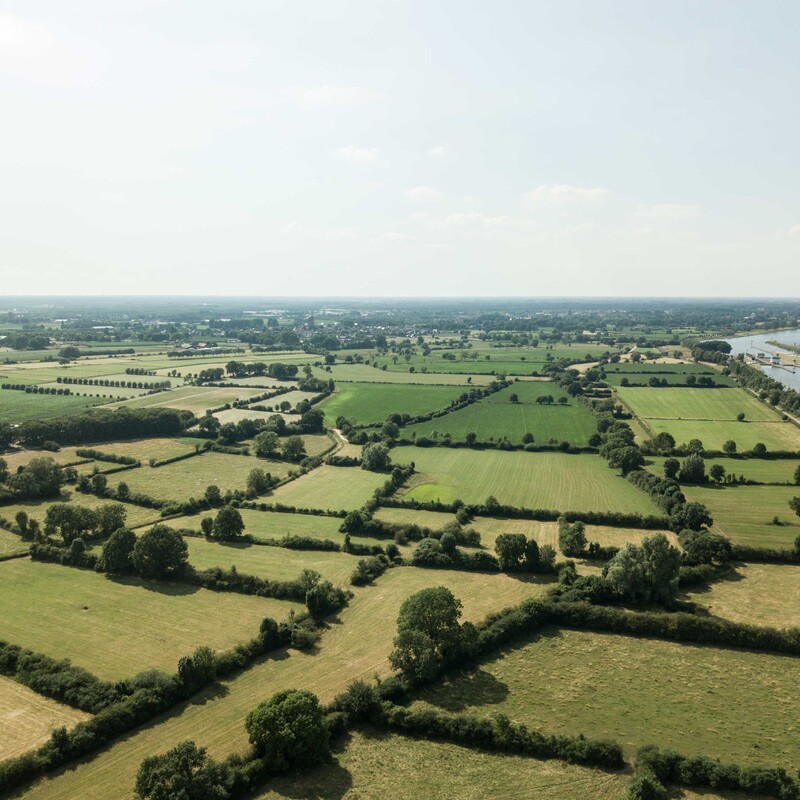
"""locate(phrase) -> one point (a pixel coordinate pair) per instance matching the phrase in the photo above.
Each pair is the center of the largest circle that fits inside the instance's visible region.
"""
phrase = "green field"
(196, 399)
(181, 480)
(17, 407)
(27, 718)
(533, 480)
(355, 647)
(776, 436)
(93, 620)
(695, 404)
(367, 403)
(276, 525)
(365, 373)
(496, 418)
(745, 513)
(275, 563)
(375, 765)
(734, 705)
(758, 594)
(37, 509)
(763, 470)
(11, 544)
(329, 488)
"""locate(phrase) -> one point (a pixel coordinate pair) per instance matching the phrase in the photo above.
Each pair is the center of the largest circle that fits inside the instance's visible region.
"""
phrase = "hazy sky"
(390, 147)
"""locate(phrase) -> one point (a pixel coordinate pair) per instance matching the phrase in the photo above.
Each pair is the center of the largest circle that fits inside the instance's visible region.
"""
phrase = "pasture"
(181, 480)
(695, 404)
(366, 373)
(37, 509)
(367, 403)
(329, 488)
(355, 646)
(92, 620)
(11, 544)
(375, 765)
(763, 470)
(777, 436)
(496, 417)
(275, 563)
(27, 718)
(745, 513)
(17, 407)
(533, 480)
(758, 594)
(196, 399)
(627, 688)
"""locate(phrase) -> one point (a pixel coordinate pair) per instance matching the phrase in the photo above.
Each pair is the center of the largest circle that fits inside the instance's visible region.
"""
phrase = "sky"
(400, 148)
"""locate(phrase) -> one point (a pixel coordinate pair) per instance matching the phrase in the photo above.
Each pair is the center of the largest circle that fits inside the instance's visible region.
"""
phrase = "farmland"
(695, 404)
(496, 417)
(761, 470)
(26, 718)
(356, 646)
(568, 681)
(19, 407)
(534, 480)
(329, 489)
(746, 513)
(181, 480)
(92, 619)
(367, 403)
(196, 399)
(362, 373)
(777, 436)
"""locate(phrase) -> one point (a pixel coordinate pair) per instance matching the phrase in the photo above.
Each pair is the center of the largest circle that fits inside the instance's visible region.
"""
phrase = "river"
(758, 343)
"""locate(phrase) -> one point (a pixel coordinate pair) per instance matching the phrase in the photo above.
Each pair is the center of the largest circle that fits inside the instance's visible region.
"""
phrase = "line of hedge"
(499, 734)
(764, 555)
(612, 519)
(172, 459)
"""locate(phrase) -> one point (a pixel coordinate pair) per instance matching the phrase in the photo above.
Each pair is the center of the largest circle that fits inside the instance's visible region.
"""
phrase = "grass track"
(534, 480)
(27, 718)
(640, 690)
(44, 611)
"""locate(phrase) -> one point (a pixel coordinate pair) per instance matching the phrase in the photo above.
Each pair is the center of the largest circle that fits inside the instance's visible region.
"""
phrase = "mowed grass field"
(37, 509)
(117, 628)
(11, 544)
(355, 646)
(329, 488)
(735, 705)
(745, 513)
(366, 373)
(27, 718)
(533, 480)
(17, 407)
(701, 404)
(763, 470)
(367, 403)
(496, 417)
(275, 563)
(181, 480)
(491, 527)
(776, 436)
(758, 594)
(276, 525)
(374, 766)
(196, 399)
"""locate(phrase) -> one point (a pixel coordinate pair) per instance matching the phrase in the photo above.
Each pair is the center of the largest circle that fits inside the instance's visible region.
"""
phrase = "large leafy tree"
(160, 553)
(289, 729)
(118, 552)
(184, 773)
(228, 524)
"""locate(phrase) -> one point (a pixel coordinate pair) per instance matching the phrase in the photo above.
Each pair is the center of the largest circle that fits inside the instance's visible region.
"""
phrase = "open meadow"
(197, 399)
(534, 480)
(17, 407)
(745, 514)
(355, 645)
(628, 688)
(761, 470)
(366, 373)
(92, 619)
(496, 417)
(27, 718)
(329, 488)
(368, 403)
(695, 404)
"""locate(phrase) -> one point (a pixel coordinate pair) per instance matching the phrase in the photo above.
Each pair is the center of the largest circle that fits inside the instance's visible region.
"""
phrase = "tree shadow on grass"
(476, 688)
(170, 588)
(329, 781)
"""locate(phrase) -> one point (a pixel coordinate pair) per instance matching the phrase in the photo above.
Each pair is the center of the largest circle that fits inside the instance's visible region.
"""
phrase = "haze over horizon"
(592, 149)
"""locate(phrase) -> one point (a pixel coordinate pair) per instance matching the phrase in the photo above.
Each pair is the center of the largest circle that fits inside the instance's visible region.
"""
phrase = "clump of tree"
(41, 477)
(571, 537)
(160, 553)
(375, 457)
(186, 771)
(646, 573)
(429, 634)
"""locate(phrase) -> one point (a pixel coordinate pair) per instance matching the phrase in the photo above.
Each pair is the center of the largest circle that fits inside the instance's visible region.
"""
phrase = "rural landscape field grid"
(256, 527)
